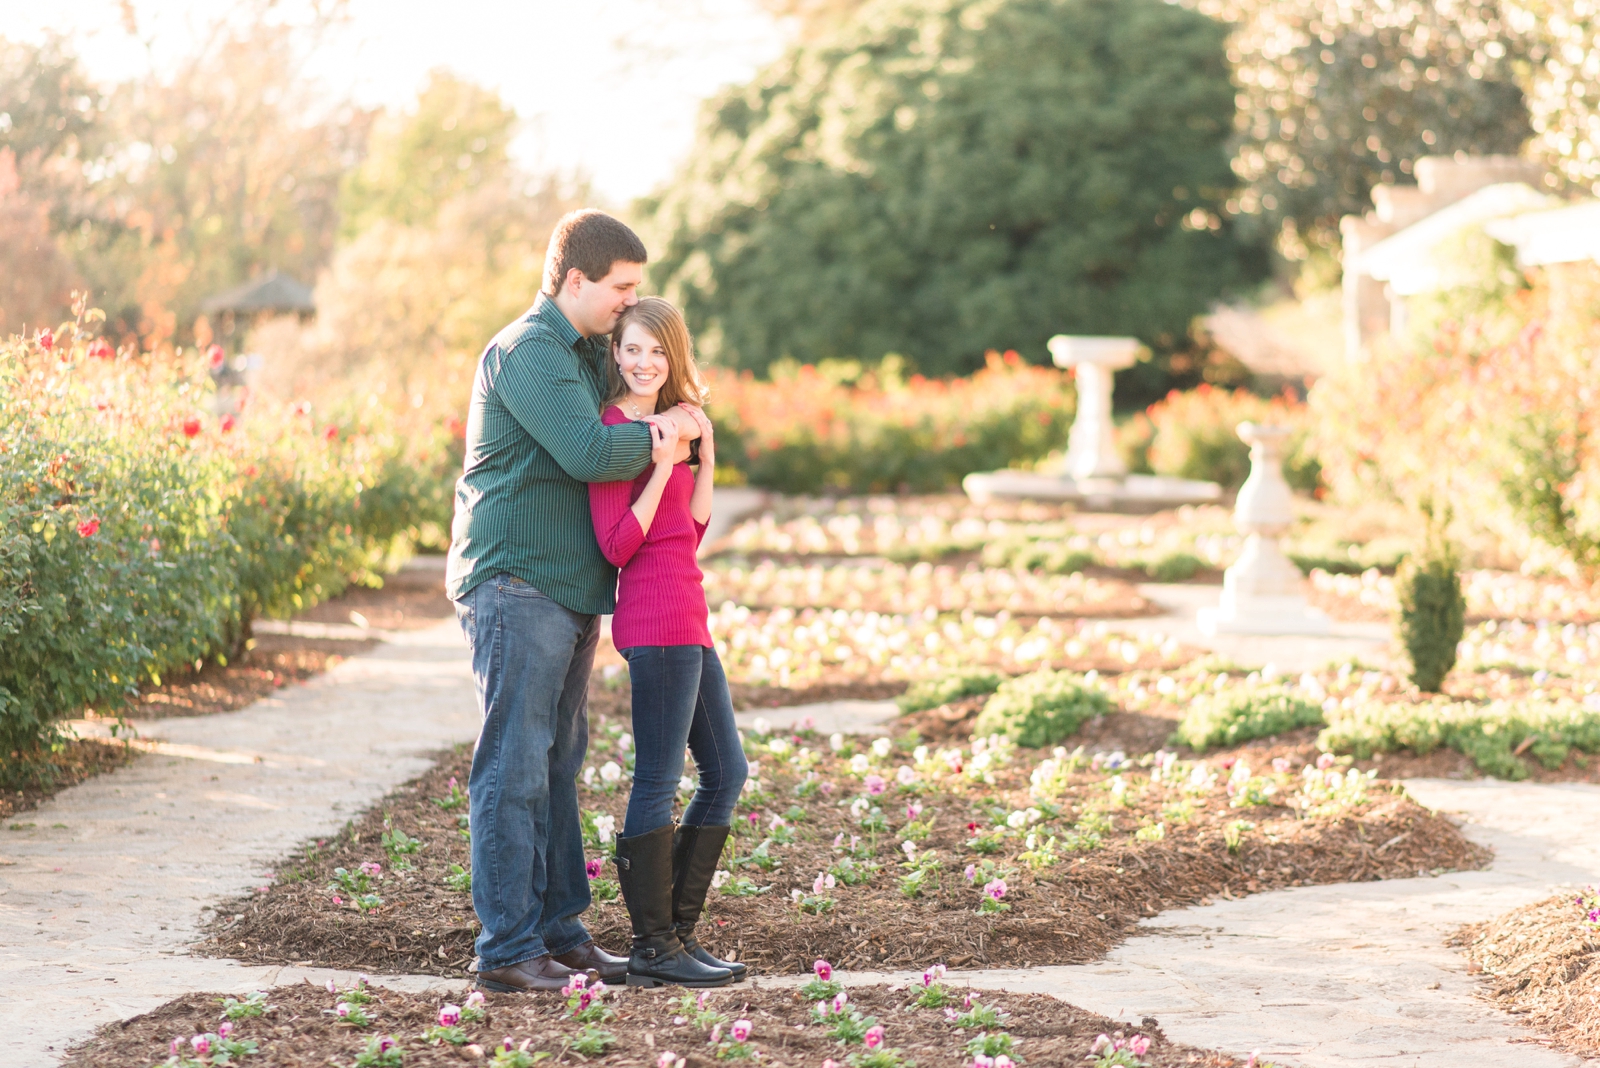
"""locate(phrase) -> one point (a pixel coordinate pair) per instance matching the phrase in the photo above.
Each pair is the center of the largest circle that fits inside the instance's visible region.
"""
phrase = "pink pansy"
(331, 988)
(372, 868)
(507, 1045)
(826, 788)
(1326, 761)
(174, 1047)
(593, 868)
(341, 1010)
(823, 969)
(385, 1044)
(840, 1000)
(1139, 1045)
(971, 873)
(449, 1015)
(716, 1034)
(874, 1036)
(1002, 1061)
(740, 1030)
(667, 1060)
(225, 1029)
(475, 1000)
(913, 810)
(337, 900)
(995, 888)
(201, 1044)
(876, 785)
(1281, 765)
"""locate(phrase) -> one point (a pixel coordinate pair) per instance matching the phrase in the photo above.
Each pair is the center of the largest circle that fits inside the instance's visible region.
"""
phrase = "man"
(530, 584)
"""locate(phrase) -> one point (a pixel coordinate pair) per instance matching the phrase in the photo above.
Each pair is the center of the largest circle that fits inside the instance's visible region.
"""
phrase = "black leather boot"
(644, 868)
(695, 852)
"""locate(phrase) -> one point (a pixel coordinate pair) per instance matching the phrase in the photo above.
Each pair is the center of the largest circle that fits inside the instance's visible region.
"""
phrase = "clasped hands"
(672, 430)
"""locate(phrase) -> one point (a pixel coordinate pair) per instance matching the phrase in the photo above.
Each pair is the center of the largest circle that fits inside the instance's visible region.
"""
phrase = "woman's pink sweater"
(660, 599)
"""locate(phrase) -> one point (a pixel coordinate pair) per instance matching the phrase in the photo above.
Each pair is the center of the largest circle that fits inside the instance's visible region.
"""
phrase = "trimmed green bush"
(1433, 610)
(1041, 708)
(1489, 735)
(931, 693)
(1066, 561)
(1238, 715)
(1174, 567)
(140, 534)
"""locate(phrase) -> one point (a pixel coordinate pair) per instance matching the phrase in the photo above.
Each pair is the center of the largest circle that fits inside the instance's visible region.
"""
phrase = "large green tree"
(940, 177)
(1335, 98)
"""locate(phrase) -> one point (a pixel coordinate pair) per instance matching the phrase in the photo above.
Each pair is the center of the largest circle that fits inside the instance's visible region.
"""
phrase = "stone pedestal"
(1093, 476)
(1261, 591)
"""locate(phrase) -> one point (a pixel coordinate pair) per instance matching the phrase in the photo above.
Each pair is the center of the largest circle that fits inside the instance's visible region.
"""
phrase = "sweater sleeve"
(540, 387)
(616, 528)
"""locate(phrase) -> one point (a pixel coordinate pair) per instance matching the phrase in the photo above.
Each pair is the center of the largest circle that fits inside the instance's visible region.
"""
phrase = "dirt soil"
(1071, 911)
(300, 1030)
(1542, 962)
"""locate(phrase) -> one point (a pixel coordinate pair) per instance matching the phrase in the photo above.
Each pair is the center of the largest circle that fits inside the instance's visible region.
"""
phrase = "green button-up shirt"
(534, 438)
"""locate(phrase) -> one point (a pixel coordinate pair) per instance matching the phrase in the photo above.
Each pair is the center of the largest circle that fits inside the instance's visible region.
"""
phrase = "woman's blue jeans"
(531, 659)
(680, 696)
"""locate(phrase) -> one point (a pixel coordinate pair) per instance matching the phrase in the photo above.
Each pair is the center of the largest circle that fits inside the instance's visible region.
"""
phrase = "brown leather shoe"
(590, 957)
(540, 973)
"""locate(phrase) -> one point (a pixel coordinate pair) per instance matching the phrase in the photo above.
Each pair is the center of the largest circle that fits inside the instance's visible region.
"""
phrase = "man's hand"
(676, 420)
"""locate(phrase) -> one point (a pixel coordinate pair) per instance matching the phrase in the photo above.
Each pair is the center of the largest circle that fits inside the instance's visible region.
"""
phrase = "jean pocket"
(516, 587)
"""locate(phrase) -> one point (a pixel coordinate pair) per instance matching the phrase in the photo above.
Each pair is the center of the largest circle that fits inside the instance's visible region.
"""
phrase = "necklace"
(637, 414)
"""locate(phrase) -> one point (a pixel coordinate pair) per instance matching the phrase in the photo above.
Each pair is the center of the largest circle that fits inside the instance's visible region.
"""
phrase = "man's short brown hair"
(591, 241)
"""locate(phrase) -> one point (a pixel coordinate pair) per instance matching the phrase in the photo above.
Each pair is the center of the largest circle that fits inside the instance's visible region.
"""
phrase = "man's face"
(596, 305)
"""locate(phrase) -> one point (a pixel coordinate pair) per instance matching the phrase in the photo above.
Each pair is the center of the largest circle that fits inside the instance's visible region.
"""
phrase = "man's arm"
(539, 384)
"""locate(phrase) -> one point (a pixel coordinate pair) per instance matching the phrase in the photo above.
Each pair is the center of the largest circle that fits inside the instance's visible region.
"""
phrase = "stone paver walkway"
(104, 886)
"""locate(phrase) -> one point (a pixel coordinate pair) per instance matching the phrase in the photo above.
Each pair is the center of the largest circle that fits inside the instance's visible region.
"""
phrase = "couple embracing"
(577, 448)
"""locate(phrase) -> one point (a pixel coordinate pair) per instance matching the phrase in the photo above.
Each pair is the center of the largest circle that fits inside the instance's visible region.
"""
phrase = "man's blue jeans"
(531, 659)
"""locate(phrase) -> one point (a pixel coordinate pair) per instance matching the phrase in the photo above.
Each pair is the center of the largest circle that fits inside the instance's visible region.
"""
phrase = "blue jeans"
(531, 659)
(680, 695)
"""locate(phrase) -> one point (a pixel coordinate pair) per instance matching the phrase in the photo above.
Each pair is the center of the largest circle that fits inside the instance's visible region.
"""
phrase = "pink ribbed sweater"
(660, 599)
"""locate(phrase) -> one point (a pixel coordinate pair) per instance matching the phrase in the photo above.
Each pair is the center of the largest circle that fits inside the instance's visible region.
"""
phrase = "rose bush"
(143, 531)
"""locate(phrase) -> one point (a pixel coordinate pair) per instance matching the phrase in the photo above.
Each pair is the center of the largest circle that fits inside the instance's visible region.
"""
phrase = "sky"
(605, 88)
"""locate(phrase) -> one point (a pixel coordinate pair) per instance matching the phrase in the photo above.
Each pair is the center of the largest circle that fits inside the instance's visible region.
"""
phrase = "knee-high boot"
(695, 851)
(644, 868)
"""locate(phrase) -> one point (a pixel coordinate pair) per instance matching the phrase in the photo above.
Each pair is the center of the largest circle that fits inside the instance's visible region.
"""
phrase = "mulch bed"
(1542, 962)
(300, 1030)
(1070, 912)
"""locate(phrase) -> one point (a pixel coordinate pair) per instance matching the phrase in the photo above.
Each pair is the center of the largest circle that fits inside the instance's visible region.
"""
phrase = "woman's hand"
(663, 442)
(708, 445)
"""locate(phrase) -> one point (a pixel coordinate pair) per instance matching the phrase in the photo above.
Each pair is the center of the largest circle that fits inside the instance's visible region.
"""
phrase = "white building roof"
(1410, 261)
(1559, 235)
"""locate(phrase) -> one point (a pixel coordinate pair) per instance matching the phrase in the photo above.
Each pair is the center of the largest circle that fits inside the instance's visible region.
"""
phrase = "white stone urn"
(1092, 447)
(1261, 591)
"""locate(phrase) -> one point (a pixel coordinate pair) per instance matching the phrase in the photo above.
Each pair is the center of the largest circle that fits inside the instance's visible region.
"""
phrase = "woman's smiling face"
(643, 362)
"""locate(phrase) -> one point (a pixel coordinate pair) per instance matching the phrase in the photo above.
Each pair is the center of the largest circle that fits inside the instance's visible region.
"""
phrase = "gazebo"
(273, 293)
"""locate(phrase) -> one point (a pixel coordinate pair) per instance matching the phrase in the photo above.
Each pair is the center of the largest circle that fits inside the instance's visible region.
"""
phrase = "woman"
(650, 528)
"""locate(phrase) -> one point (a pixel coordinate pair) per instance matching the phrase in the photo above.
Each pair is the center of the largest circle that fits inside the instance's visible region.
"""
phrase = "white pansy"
(611, 772)
(881, 747)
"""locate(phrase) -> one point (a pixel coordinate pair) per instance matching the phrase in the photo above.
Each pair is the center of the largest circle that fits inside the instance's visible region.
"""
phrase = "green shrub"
(140, 534)
(1490, 735)
(1432, 609)
(1174, 567)
(1237, 715)
(1041, 708)
(931, 693)
(1064, 561)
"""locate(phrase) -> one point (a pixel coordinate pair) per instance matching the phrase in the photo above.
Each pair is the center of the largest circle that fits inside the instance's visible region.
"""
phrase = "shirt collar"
(546, 311)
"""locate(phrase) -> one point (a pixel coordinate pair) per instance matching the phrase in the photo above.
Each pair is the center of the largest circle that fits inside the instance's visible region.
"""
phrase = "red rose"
(101, 350)
(89, 527)
(228, 422)
(216, 357)
(331, 433)
(191, 427)
(47, 340)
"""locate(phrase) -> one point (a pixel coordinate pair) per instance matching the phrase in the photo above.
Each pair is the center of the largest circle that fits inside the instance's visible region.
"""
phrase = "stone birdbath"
(1092, 446)
(1261, 591)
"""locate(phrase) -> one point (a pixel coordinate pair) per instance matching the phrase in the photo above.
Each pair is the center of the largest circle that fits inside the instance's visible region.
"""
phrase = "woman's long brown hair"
(657, 317)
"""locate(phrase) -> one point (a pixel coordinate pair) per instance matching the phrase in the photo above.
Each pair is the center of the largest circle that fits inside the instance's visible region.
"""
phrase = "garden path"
(1353, 975)
(103, 888)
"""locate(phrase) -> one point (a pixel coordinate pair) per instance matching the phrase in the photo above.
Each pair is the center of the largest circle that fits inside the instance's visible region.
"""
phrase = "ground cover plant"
(886, 852)
(875, 1027)
(1541, 962)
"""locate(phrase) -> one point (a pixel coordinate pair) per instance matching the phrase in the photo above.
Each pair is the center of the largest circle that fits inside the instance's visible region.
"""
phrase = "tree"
(937, 178)
(225, 166)
(455, 140)
(1564, 85)
(1335, 98)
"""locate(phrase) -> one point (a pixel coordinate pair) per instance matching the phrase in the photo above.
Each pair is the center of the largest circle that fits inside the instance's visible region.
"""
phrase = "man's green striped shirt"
(534, 438)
